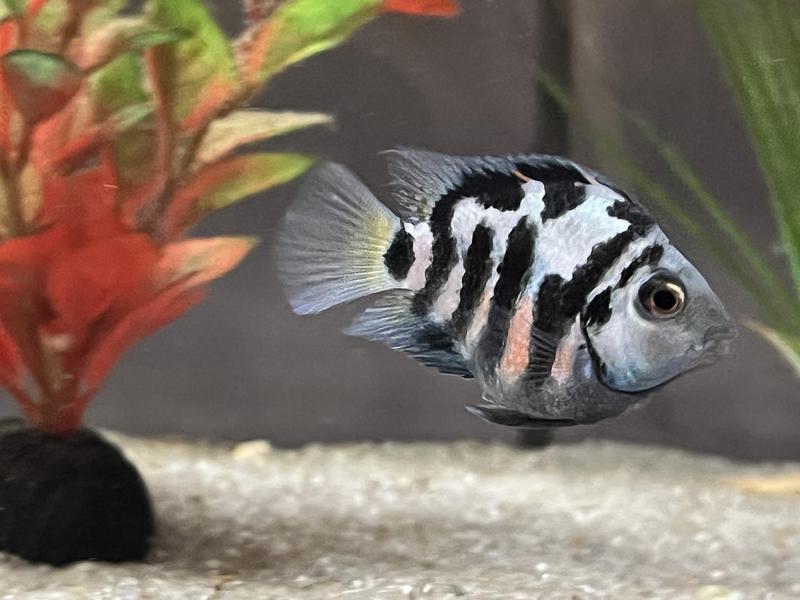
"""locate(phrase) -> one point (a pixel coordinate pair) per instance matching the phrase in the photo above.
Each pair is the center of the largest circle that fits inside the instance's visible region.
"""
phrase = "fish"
(538, 277)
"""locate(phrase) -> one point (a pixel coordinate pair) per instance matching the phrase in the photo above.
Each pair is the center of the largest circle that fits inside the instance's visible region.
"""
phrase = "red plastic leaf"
(214, 96)
(23, 264)
(437, 8)
(35, 7)
(139, 323)
(299, 29)
(61, 129)
(26, 257)
(92, 280)
(225, 182)
(83, 201)
(71, 154)
(195, 262)
(10, 359)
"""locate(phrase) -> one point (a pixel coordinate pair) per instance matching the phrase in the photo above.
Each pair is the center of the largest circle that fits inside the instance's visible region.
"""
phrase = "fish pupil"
(664, 300)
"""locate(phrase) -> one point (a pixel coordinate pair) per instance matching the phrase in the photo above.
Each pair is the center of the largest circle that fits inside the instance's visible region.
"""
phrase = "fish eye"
(662, 297)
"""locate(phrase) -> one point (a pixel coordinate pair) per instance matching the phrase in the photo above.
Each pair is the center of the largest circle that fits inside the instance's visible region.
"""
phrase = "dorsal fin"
(392, 321)
(420, 177)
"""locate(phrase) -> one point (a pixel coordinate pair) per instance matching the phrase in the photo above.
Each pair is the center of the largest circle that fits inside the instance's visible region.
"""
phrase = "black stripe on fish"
(633, 213)
(649, 256)
(400, 256)
(561, 197)
(497, 190)
(598, 311)
(513, 271)
(443, 252)
(559, 302)
(504, 192)
(561, 194)
(516, 262)
(477, 270)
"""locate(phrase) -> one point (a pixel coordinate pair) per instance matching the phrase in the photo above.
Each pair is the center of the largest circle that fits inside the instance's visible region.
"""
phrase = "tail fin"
(333, 239)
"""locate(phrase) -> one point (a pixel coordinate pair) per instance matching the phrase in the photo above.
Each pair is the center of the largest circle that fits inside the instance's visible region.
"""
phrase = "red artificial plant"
(117, 135)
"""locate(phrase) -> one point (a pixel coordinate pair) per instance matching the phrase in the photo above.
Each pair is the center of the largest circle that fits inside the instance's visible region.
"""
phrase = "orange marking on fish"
(564, 360)
(517, 351)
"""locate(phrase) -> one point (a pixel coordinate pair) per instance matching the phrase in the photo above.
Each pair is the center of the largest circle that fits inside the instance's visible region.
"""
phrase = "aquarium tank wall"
(242, 365)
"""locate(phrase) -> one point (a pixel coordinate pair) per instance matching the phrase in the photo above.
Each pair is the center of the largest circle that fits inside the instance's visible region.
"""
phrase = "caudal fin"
(331, 246)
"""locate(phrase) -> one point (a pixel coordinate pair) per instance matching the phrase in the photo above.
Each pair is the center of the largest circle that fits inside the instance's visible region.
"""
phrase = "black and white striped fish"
(533, 274)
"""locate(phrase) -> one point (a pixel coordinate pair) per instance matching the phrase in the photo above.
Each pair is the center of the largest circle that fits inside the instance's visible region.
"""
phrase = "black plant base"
(66, 499)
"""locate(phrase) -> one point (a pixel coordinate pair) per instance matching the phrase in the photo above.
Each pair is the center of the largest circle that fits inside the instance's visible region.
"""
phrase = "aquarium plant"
(758, 45)
(119, 132)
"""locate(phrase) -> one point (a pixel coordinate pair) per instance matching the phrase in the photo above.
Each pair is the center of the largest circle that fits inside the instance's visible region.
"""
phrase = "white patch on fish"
(423, 241)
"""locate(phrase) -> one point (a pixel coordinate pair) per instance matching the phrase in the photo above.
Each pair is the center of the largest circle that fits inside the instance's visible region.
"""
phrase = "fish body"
(536, 276)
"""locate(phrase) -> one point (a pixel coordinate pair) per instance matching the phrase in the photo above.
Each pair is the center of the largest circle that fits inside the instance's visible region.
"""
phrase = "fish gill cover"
(118, 134)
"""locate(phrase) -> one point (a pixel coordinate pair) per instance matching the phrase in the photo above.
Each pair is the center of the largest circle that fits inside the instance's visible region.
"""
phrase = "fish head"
(665, 320)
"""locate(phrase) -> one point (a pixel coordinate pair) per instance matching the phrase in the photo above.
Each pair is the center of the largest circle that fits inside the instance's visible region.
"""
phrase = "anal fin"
(515, 418)
(392, 321)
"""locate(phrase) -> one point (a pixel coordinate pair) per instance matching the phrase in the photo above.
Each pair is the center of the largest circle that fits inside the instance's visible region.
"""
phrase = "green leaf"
(40, 83)
(12, 7)
(118, 94)
(231, 180)
(50, 20)
(131, 116)
(128, 34)
(189, 66)
(154, 37)
(118, 85)
(249, 126)
(299, 29)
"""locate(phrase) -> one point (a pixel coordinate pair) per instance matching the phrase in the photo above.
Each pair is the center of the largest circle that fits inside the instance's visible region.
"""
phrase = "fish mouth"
(718, 339)
(717, 342)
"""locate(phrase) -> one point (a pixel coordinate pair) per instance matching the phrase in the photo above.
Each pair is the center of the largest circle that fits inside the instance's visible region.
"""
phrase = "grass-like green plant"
(758, 46)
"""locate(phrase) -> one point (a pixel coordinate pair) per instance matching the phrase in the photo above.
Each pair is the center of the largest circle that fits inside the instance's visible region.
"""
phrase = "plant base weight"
(66, 499)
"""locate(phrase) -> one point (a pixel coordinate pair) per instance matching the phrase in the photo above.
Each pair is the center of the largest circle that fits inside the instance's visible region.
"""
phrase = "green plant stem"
(757, 44)
(751, 268)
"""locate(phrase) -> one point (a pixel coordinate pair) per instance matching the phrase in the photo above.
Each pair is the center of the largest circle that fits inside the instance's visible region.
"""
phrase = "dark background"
(243, 366)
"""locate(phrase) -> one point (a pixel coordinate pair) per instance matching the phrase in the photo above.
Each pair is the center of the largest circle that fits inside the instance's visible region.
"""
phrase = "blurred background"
(243, 366)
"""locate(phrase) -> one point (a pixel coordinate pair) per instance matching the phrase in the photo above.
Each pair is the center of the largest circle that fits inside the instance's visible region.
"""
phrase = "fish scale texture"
(420, 521)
